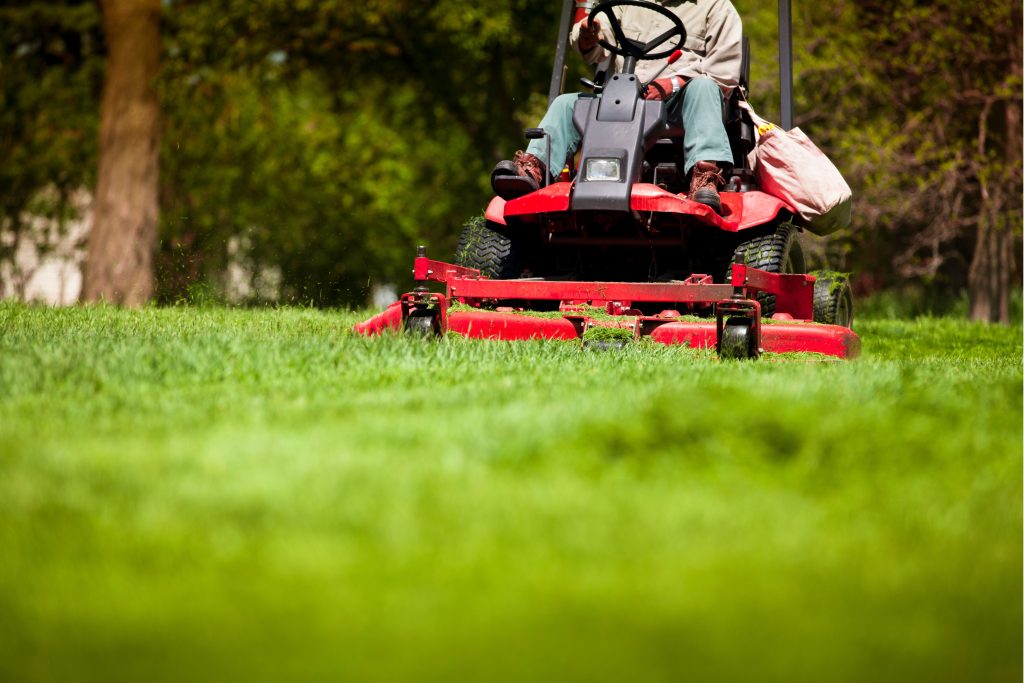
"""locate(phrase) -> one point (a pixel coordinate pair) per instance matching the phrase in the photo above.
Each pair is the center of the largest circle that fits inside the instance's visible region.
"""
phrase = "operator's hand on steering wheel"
(590, 31)
(660, 89)
(635, 48)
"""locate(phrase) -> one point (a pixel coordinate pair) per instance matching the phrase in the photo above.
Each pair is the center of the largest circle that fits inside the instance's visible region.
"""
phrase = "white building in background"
(47, 263)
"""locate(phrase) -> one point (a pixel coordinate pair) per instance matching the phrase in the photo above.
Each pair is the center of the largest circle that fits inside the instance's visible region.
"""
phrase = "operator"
(707, 73)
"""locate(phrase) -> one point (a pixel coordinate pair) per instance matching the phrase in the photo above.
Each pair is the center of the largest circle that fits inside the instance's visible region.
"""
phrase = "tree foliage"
(330, 138)
(323, 140)
(927, 126)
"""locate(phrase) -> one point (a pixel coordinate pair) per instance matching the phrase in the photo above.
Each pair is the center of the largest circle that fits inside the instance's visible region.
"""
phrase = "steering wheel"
(636, 49)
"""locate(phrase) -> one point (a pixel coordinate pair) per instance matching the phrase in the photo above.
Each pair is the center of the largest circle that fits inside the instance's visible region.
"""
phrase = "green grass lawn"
(227, 495)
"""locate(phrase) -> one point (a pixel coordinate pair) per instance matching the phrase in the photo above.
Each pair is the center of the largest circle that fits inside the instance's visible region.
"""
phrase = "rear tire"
(490, 252)
(833, 300)
(776, 252)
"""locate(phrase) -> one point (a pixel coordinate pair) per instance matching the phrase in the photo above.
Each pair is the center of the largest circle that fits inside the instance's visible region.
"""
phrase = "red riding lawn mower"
(626, 254)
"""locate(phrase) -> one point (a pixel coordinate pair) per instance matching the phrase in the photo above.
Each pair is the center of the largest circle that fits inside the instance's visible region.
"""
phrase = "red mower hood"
(741, 210)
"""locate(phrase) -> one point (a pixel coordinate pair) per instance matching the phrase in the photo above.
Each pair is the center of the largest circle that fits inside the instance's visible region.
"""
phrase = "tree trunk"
(119, 260)
(993, 271)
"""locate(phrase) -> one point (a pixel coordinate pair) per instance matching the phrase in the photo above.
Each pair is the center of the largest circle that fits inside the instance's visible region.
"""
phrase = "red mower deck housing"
(735, 331)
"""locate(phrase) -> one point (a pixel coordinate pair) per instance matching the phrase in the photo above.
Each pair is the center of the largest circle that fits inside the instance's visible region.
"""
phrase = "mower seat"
(738, 124)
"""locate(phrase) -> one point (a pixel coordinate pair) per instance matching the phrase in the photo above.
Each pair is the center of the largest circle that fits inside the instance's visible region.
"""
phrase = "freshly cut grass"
(608, 334)
(260, 495)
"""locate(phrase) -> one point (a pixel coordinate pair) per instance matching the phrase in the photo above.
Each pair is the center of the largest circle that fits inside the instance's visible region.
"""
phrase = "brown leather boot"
(522, 175)
(704, 185)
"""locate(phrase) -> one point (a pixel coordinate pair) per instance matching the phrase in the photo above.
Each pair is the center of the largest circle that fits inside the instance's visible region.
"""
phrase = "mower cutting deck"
(500, 309)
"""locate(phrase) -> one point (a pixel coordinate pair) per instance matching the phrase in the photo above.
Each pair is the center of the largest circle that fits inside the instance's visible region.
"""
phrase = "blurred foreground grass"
(212, 495)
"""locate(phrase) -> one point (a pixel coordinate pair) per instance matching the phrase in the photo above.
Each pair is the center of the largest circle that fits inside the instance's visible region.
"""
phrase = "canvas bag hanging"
(789, 166)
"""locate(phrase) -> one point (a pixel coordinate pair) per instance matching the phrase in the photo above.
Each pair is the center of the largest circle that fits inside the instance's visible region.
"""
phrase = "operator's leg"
(705, 142)
(525, 173)
(704, 133)
(564, 136)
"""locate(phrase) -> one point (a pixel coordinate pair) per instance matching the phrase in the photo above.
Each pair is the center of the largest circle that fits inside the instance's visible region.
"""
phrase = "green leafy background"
(329, 138)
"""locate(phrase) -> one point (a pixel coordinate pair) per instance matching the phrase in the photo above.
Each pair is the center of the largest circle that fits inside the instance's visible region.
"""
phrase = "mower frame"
(736, 332)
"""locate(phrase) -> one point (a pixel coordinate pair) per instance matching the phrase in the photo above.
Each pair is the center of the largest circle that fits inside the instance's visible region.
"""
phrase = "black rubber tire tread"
(421, 324)
(829, 293)
(769, 253)
(737, 342)
(487, 250)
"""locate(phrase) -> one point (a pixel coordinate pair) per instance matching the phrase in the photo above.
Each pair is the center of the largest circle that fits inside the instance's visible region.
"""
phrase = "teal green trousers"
(704, 136)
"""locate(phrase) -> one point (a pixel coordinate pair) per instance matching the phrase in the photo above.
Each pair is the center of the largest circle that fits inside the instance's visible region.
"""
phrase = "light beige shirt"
(713, 46)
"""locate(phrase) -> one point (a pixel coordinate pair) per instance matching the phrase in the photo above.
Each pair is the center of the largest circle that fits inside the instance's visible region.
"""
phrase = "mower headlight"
(603, 169)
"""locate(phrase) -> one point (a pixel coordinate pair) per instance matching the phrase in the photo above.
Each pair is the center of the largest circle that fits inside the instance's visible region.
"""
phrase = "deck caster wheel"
(737, 342)
(597, 338)
(422, 324)
(606, 345)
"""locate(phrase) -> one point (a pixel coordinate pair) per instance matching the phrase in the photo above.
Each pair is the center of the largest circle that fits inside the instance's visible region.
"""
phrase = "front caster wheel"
(737, 341)
(422, 324)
